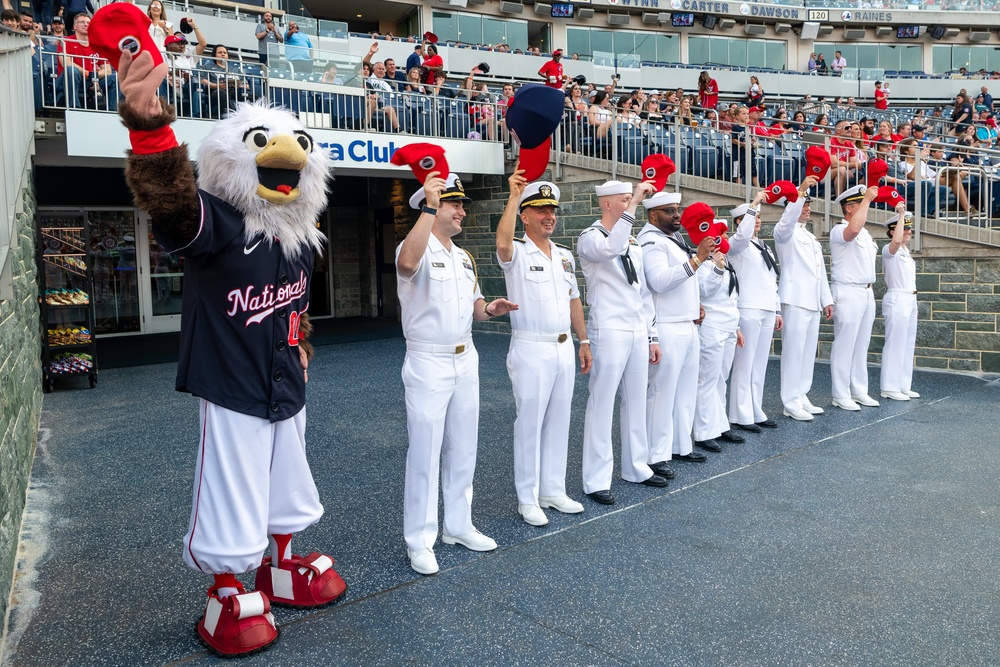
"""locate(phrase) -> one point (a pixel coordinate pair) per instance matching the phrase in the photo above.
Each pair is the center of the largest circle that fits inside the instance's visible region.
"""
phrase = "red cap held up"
(817, 162)
(122, 26)
(657, 168)
(422, 158)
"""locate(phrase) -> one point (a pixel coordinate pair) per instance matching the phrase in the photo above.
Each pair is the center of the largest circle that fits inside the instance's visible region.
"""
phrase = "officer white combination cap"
(540, 193)
(661, 199)
(453, 191)
(613, 188)
(739, 211)
(855, 194)
(907, 220)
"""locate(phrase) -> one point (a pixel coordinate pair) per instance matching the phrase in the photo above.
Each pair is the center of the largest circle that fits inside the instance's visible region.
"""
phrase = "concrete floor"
(868, 538)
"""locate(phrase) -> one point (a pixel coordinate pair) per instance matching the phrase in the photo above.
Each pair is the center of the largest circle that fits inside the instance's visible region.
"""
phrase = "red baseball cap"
(557, 52)
(888, 195)
(877, 169)
(698, 219)
(781, 190)
(122, 26)
(817, 162)
(657, 168)
(422, 158)
(174, 39)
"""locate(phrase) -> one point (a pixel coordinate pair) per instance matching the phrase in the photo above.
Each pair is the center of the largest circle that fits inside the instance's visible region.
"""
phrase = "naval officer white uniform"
(852, 273)
(439, 294)
(804, 292)
(672, 275)
(899, 309)
(760, 315)
(622, 333)
(541, 278)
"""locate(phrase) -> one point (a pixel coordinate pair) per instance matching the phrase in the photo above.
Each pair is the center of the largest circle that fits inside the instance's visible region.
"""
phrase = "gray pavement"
(868, 538)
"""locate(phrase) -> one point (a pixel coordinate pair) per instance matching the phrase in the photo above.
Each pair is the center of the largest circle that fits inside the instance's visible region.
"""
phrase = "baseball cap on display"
(422, 158)
(781, 190)
(657, 168)
(533, 114)
(121, 27)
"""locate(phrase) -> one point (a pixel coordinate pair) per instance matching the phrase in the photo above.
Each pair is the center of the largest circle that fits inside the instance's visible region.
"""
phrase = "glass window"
(978, 57)
(776, 54)
(445, 26)
(493, 31)
(757, 53)
(698, 50)
(476, 29)
(470, 29)
(993, 59)
(517, 34)
(578, 41)
(645, 46)
(624, 44)
(960, 56)
(668, 48)
(600, 43)
(911, 58)
(718, 51)
(940, 59)
(866, 55)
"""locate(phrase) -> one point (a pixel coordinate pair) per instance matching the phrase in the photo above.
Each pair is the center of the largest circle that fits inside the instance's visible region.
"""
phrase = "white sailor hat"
(453, 192)
(613, 188)
(739, 211)
(539, 193)
(850, 195)
(661, 199)
(907, 220)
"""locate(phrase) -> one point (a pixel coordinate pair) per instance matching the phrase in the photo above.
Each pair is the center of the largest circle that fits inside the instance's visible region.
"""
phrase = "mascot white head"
(262, 161)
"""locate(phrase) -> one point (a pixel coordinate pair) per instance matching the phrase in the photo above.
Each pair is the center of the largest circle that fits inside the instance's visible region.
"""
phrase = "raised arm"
(897, 233)
(856, 222)
(411, 251)
(740, 240)
(508, 221)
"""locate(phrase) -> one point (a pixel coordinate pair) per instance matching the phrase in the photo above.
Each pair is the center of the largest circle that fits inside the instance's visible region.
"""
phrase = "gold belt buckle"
(562, 338)
(459, 349)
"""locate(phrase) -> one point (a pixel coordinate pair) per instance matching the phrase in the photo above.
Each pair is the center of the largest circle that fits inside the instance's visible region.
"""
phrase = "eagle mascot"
(247, 230)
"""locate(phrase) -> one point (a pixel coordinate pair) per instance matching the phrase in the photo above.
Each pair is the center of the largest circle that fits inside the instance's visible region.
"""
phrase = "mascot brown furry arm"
(247, 230)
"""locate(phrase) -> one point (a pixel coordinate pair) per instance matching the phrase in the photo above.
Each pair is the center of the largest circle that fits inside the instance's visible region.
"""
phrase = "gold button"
(459, 349)
(562, 338)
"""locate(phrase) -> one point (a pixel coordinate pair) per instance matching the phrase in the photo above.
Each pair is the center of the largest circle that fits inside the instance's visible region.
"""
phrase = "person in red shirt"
(552, 71)
(433, 63)
(843, 148)
(708, 91)
(85, 67)
(760, 128)
(881, 97)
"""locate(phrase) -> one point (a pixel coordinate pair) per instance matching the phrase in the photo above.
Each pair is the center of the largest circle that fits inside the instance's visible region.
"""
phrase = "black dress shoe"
(693, 457)
(663, 469)
(732, 436)
(749, 428)
(768, 423)
(708, 445)
(602, 497)
(656, 481)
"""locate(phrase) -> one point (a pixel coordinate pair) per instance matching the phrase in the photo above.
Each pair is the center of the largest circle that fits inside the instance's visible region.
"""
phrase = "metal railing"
(16, 141)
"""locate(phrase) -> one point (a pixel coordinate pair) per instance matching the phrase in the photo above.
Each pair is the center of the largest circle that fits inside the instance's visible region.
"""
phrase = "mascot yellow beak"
(278, 169)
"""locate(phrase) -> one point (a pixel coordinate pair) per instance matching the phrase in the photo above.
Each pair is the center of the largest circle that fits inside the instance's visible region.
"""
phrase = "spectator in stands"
(979, 107)
(73, 7)
(780, 124)
(936, 123)
(574, 117)
(755, 93)
(379, 97)
(651, 113)
(951, 179)
(58, 33)
(433, 63)
(861, 149)
(821, 124)
(43, 14)
(331, 75)
(885, 132)
(881, 97)
(739, 138)
(414, 60)
(10, 19)
(821, 67)
(811, 66)
(903, 131)
(298, 49)
(552, 71)
(393, 75)
(576, 56)
(415, 82)
(483, 112)
(987, 98)
(440, 89)
(728, 118)
(708, 91)
(868, 128)
(89, 80)
(684, 116)
(159, 26)
(600, 116)
(919, 132)
(185, 93)
(838, 64)
(626, 116)
(896, 176)
(26, 23)
(851, 103)
(267, 33)
(961, 116)
(223, 82)
(798, 123)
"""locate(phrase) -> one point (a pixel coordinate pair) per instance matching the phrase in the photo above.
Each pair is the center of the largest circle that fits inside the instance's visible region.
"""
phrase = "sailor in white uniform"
(541, 278)
(672, 275)
(852, 273)
(899, 309)
(439, 293)
(760, 316)
(622, 333)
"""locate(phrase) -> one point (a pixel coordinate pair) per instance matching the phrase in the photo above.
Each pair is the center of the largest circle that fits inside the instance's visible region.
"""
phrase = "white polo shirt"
(542, 287)
(438, 300)
(900, 270)
(852, 263)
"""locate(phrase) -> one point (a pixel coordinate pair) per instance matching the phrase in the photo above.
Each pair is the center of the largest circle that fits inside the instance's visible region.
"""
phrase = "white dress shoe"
(532, 515)
(911, 394)
(799, 415)
(563, 504)
(865, 400)
(846, 404)
(423, 561)
(475, 541)
(895, 395)
(809, 407)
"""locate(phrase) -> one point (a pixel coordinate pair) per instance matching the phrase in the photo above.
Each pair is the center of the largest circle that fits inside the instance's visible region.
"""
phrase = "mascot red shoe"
(247, 230)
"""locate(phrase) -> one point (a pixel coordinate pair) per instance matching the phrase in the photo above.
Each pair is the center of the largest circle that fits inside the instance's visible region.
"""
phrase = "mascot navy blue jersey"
(241, 308)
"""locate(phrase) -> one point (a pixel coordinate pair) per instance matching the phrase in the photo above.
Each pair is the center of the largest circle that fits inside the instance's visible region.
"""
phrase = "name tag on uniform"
(567, 266)
(437, 265)
(537, 268)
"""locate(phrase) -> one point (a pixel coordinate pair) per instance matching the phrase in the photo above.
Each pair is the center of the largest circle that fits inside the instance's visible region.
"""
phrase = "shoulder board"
(560, 245)
(521, 240)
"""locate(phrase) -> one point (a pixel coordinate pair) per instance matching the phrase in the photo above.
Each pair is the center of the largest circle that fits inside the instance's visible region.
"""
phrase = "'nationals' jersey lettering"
(263, 304)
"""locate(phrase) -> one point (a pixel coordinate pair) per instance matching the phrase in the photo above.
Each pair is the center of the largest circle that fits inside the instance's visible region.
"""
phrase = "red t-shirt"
(433, 61)
(881, 99)
(844, 149)
(73, 48)
(553, 73)
(709, 98)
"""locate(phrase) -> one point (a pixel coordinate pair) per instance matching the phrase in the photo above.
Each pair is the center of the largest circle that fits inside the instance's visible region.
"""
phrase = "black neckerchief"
(768, 259)
(734, 282)
(627, 264)
(681, 244)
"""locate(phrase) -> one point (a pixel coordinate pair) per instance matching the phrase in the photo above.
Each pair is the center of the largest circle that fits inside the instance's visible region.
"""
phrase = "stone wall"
(20, 390)
(959, 292)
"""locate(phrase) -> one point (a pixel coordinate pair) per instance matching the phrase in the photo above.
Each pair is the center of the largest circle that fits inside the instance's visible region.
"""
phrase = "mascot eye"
(256, 140)
(305, 141)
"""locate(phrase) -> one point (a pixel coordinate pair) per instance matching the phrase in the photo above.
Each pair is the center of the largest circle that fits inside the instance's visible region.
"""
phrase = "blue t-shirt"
(297, 46)
(240, 316)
